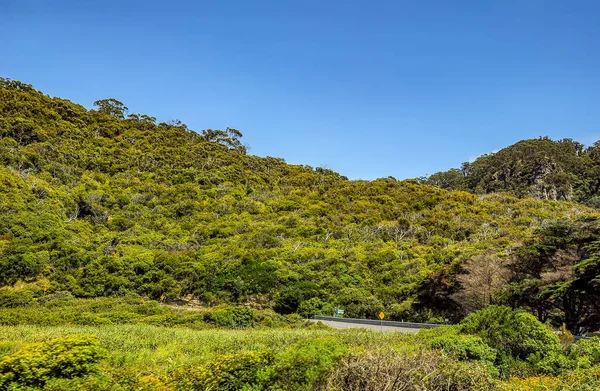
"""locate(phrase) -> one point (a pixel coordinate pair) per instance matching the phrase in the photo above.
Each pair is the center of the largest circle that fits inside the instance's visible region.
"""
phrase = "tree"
(485, 275)
(229, 137)
(557, 275)
(112, 107)
(451, 179)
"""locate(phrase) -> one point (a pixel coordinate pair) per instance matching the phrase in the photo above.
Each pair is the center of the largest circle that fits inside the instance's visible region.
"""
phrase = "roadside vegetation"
(494, 349)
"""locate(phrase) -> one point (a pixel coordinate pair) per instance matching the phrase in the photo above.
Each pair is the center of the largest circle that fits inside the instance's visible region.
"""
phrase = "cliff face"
(550, 182)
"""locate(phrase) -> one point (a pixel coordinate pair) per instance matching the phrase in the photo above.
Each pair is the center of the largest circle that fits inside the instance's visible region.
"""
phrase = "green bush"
(269, 318)
(289, 299)
(63, 357)
(463, 347)
(230, 373)
(553, 362)
(303, 366)
(13, 298)
(90, 319)
(233, 317)
(56, 299)
(314, 306)
(512, 332)
(586, 352)
(306, 364)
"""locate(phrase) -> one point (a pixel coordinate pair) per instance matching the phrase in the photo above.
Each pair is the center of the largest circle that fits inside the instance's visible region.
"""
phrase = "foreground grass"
(60, 343)
(146, 357)
(158, 348)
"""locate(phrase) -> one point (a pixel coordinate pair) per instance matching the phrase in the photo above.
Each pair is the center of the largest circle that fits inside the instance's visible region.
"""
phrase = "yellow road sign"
(381, 315)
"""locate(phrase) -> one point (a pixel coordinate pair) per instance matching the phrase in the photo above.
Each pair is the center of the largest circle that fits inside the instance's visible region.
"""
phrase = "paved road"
(344, 325)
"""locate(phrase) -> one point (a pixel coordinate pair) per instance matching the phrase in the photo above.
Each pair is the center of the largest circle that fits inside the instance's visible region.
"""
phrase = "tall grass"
(156, 347)
(146, 346)
(163, 355)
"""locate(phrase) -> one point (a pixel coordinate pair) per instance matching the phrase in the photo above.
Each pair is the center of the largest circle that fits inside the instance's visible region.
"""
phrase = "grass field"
(146, 357)
(158, 348)
(71, 344)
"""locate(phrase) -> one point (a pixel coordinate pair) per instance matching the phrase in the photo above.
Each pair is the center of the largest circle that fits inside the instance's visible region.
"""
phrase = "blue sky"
(366, 88)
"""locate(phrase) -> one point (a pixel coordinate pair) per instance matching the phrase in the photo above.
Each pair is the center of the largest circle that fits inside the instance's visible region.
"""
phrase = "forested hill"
(101, 202)
(540, 168)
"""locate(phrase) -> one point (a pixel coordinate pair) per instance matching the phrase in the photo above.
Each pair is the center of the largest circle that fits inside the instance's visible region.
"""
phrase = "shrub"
(301, 367)
(289, 299)
(553, 362)
(314, 306)
(512, 332)
(234, 317)
(37, 363)
(464, 347)
(306, 364)
(398, 370)
(585, 352)
(15, 298)
(56, 299)
(269, 318)
(230, 372)
(90, 319)
(294, 318)
(575, 380)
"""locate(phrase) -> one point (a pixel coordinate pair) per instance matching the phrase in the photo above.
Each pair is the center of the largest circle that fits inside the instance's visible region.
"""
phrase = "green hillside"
(539, 168)
(105, 203)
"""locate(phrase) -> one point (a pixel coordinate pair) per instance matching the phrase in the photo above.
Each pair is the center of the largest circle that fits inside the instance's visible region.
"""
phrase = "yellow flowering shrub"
(576, 380)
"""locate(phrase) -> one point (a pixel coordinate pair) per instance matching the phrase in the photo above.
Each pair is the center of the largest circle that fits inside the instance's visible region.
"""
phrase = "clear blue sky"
(367, 88)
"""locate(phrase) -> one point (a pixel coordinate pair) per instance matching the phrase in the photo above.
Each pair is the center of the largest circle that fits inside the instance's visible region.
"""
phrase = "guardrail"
(379, 322)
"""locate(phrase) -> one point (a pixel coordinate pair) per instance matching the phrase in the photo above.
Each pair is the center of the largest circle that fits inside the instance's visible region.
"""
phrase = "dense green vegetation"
(556, 275)
(63, 308)
(540, 168)
(105, 203)
(137, 255)
(494, 349)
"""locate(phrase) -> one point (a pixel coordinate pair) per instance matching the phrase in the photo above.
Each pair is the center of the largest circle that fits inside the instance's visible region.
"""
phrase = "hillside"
(104, 203)
(539, 168)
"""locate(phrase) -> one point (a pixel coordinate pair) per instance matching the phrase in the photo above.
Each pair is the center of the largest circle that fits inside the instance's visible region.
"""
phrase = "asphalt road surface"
(345, 325)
